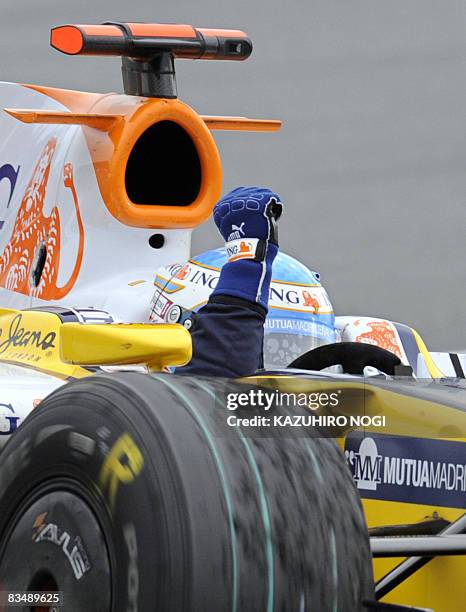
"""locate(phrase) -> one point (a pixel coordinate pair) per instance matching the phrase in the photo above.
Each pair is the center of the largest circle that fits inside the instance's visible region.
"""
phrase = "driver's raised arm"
(228, 331)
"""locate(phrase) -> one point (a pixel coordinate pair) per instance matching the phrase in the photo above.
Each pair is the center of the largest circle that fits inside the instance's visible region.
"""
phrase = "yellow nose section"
(155, 346)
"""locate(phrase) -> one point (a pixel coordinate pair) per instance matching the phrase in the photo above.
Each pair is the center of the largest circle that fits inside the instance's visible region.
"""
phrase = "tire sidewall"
(96, 449)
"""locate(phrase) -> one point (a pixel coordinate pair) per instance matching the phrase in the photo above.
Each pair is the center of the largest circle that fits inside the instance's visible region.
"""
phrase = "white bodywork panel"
(444, 362)
(119, 265)
(371, 330)
(21, 390)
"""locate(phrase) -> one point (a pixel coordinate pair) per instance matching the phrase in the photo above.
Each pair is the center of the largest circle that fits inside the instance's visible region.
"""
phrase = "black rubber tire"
(204, 518)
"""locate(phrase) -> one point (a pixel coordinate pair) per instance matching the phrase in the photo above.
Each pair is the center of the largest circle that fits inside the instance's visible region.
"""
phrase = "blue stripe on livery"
(406, 469)
(409, 344)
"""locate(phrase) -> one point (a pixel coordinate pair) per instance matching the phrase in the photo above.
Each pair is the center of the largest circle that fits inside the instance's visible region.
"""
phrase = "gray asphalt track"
(371, 161)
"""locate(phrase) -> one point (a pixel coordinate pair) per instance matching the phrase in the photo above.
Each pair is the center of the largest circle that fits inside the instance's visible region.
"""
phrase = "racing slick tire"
(130, 492)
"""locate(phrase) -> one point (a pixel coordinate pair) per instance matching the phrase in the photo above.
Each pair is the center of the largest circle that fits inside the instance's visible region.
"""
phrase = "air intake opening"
(164, 167)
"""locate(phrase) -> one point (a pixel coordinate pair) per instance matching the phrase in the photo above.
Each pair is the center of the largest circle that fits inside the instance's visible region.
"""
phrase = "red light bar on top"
(143, 40)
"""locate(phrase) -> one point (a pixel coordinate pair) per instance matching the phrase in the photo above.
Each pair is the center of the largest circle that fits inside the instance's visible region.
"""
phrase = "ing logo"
(8, 420)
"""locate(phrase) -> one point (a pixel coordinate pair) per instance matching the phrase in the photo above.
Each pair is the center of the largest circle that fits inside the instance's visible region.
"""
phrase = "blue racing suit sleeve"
(228, 332)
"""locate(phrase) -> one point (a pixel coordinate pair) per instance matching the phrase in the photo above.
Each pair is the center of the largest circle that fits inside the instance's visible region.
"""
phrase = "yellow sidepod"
(39, 340)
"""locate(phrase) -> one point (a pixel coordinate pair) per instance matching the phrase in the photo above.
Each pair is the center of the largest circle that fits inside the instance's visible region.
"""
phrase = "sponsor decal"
(193, 279)
(319, 329)
(189, 274)
(18, 336)
(72, 548)
(381, 333)
(199, 276)
(173, 314)
(8, 420)
(311, 300)
(183, 272)
(173, 269)
(33, 228)
(122, 465)
(10, 174)
(314, 300)
(406, 469)
(129, 532)
(160, 306)
(241, 249)
(237, 231)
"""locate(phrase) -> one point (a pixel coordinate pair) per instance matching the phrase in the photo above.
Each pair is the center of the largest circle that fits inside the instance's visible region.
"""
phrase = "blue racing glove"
(247, 219)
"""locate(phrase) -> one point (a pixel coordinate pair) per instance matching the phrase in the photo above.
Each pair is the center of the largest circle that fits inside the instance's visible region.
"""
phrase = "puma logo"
(236, 231)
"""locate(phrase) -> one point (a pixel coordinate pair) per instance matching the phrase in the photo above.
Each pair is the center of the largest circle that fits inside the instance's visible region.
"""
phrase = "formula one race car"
(126, 488)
